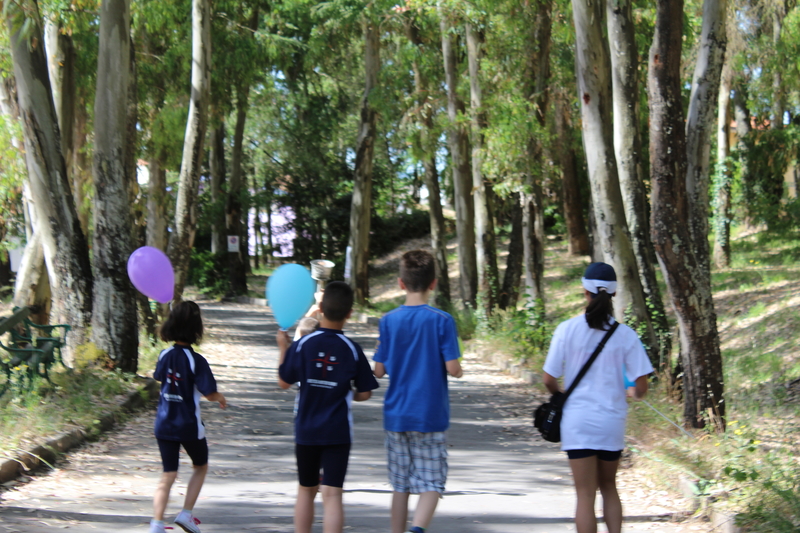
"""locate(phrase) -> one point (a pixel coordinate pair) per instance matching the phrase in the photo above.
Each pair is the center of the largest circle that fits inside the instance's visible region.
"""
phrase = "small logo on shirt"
(172, 380)
(325, 362)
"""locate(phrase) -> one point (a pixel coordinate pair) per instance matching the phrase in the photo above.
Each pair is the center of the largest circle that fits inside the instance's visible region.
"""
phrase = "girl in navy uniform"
(185, 376)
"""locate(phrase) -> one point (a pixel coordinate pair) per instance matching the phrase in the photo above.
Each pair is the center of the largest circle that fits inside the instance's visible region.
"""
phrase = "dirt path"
(503, 478)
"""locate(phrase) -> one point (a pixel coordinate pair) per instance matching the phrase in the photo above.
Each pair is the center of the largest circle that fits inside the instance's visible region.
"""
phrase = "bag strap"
(586, 366)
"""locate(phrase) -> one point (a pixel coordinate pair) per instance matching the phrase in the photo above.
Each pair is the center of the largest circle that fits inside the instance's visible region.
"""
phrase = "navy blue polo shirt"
(185, 377)
(327, 365)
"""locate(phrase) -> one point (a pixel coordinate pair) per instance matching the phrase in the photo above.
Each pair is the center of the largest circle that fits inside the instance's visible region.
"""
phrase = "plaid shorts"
(417, 461)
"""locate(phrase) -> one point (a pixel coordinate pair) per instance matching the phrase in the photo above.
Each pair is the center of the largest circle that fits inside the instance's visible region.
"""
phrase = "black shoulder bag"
(547, 417)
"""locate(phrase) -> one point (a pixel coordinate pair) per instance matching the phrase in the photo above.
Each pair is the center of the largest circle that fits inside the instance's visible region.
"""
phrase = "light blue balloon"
(628, 384)
(290, 292)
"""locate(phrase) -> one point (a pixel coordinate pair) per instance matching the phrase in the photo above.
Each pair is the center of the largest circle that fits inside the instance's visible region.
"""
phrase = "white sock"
(155, 522)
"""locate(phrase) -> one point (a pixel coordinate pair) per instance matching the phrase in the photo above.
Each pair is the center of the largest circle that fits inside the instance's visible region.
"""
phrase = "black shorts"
(603, 455)
(331, 459)
(171, 450)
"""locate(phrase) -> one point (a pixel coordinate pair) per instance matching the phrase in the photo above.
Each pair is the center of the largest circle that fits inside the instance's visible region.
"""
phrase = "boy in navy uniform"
(418, 347)
(185, 376)
(327, 365)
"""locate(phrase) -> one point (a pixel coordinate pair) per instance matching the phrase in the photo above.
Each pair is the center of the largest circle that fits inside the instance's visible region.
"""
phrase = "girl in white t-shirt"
(593, 421)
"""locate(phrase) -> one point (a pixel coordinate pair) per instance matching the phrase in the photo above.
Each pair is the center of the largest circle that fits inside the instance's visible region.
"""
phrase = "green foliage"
(525, 331)
(89, 355)
(767, 156)
(208, 272)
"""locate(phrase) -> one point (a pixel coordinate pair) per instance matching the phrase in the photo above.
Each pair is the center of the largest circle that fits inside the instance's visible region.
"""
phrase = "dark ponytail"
(599, 310)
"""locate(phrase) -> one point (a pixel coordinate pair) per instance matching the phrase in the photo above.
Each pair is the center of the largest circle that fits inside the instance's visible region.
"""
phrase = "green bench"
(32, 345)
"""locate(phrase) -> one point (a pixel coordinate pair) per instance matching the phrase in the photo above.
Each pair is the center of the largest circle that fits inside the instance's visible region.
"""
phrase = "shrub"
(208, 272)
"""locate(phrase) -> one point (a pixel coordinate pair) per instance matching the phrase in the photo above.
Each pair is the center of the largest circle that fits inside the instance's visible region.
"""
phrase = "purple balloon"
(151, 273)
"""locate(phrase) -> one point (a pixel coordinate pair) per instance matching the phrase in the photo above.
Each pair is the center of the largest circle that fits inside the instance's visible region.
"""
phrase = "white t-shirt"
(595, 412)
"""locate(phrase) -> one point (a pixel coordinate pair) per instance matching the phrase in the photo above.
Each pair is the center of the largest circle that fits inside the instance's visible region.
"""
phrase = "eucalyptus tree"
(629, 154)
(674, 209)
(182, 238)
(458, 141)
(115, 328)
(365, 148)
(482, 193)
(65, 250)
(594, 85)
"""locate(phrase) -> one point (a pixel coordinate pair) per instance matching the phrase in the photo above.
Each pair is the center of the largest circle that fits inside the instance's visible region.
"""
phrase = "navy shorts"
(331, 459)
(603, 455)
(171, 450)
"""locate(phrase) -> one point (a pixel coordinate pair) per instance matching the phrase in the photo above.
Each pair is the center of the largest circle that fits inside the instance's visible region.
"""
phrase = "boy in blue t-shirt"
(418, 347)
(327, 365)
(185, 376)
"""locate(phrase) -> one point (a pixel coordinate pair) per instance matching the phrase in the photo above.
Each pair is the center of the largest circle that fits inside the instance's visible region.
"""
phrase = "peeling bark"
(65, 249)
(671, 219)
(628, 151)
(594, 86)
(115, 328)
(361, 207)
(182, 238)
(458, 142)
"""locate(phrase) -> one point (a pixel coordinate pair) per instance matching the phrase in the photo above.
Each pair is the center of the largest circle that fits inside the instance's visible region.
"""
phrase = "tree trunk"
(486, 243)
(61, 67)
(81, 166)
(182, 238)
(157, 204)
(700, 124)
(570, 188)
(64, 244)
(670, 222)
(536, 89)
(778, 14)
(593, 71)
(723, 174)
(509, 294)
(458, 141)
(361, 207)
(115, 328)
(628, 151)
(427, 144)
(219, 240)
(237, 273)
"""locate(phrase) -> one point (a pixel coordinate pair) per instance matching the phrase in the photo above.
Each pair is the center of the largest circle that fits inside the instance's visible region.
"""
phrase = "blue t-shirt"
(415, 343)
(327, 365)
(185, 377)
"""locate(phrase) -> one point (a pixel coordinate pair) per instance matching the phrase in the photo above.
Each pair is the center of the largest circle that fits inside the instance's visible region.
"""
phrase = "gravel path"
(503, 478)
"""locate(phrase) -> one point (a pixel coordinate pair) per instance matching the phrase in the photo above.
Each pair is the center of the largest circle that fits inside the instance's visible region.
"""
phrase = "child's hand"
(283, 340)
(218, 397)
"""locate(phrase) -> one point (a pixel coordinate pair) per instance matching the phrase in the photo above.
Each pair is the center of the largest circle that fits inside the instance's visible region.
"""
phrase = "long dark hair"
(185, 324)
(599, 310)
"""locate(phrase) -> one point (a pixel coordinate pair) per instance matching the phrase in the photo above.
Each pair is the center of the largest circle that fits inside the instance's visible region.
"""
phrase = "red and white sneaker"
(188, 522)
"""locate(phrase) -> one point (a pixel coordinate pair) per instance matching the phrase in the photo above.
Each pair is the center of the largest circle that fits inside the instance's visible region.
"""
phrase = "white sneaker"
(157, 528)
(188, 522)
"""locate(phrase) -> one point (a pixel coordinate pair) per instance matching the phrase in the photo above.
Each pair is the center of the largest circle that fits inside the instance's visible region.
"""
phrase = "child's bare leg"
(161, 496)
(304, 509)
(195, 484)
(333, 519)
(425, 509)
(399, 511)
